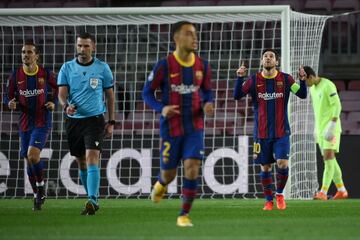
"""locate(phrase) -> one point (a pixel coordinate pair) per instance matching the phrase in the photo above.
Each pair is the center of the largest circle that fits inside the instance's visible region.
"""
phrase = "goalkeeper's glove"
(329, 131)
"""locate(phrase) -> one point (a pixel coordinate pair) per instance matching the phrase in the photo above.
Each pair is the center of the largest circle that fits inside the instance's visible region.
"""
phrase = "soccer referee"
(82, 83)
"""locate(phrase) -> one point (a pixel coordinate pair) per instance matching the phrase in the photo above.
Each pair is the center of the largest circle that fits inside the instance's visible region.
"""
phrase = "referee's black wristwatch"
(111, 122)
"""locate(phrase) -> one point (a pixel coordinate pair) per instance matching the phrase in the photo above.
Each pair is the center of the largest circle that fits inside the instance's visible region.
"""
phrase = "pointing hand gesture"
(242, 70)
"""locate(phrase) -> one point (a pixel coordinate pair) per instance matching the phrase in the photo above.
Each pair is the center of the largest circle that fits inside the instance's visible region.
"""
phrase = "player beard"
(83, 57)
(268, 68)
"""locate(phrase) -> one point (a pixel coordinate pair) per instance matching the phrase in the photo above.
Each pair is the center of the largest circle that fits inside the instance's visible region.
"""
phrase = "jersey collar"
(270, 77)
(86, 64)
(185, 64)
(31, 73)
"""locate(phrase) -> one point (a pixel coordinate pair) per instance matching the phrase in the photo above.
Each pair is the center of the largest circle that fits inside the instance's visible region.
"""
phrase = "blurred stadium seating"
(354, 85)
(345, 5)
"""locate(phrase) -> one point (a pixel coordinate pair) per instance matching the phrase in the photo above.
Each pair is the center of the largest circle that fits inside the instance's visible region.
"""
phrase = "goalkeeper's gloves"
(329, 131)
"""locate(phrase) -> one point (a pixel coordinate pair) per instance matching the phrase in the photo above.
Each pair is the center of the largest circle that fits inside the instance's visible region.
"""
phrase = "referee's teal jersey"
(86, 85)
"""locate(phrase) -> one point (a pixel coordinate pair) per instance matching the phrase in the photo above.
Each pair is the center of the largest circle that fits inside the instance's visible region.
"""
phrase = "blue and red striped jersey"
(186, 85)
(270, 97)
(31, 92)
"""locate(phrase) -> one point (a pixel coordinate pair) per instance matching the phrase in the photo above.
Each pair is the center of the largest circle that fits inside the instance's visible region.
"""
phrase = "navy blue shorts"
(36, 138)
(84, 133)
(173, 149)
(267, 151)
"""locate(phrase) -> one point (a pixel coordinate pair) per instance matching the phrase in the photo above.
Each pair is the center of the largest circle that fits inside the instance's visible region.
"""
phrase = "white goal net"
(131, 40)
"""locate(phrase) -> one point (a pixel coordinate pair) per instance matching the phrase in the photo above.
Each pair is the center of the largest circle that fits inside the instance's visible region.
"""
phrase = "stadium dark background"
(339, 61)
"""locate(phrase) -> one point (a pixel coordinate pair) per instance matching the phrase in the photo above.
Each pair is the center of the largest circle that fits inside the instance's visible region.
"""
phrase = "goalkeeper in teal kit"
(327, 108)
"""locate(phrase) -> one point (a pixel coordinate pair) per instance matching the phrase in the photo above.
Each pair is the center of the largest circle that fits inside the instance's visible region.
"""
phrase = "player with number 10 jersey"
(270, 90)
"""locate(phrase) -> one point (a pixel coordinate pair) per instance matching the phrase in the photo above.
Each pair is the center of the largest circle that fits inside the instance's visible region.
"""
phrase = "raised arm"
(242, 88)
(299, 90)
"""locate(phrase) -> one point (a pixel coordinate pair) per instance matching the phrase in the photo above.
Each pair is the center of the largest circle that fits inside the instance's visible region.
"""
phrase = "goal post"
(131, 40)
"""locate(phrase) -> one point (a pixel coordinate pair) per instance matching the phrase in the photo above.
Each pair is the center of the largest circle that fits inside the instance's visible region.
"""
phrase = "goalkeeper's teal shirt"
(326, 104)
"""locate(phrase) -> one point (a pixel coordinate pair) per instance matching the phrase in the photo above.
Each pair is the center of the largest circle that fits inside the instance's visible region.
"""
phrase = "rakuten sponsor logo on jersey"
(184, 89)
(31, 93)
(270, 96)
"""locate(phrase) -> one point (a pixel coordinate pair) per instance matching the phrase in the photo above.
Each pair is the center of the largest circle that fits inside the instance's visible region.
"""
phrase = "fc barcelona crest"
(199, 75)
(41, 80)
(94, 82)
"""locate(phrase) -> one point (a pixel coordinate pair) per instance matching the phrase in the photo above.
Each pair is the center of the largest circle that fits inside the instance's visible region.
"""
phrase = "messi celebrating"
(270, 90)
(32, 90)
(184, 80)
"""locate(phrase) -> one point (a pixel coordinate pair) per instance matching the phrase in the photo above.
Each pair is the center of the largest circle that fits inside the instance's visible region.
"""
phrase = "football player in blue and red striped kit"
(270, 90)
(184, 80)
(32, 90)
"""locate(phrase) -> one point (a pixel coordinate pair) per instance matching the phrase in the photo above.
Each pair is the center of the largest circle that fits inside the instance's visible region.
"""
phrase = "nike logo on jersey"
(260, 85)
(21, 82)
(172, 75)
(37, 142)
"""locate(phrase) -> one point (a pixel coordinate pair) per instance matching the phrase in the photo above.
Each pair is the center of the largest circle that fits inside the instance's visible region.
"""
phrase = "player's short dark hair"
(309, 71)
(177, 26)
(271, 50)
(31, 43)
(86, 35)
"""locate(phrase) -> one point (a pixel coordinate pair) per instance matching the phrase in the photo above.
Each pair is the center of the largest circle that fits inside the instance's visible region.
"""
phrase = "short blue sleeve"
(108, 77)
(62, 79)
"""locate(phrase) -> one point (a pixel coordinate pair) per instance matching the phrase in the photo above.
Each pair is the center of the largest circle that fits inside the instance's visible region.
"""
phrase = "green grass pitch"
(213, 219)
